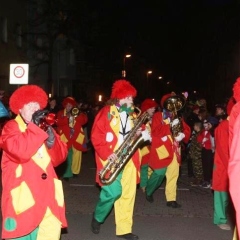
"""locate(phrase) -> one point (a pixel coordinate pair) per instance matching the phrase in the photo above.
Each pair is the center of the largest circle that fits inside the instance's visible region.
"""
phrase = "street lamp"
(148, 85)
(124, 63)
(160, 77)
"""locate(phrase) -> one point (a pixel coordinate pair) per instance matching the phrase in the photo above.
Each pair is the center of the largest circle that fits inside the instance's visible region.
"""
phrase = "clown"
(111, 126)
(70, 129)
(234, 161)
(165, 157)
(32, 197)
(150, 106)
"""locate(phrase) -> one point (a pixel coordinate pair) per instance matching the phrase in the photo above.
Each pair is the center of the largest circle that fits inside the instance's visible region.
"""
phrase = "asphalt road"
(152, 221)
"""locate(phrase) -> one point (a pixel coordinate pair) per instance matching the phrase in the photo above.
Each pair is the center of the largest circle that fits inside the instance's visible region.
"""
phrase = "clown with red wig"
(165, 155)
(111, 126)
(70, 129)
(32, 197)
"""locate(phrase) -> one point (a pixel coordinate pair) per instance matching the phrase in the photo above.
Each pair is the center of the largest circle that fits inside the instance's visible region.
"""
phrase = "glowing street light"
(124, 63)
(148, 85)
(160, 77)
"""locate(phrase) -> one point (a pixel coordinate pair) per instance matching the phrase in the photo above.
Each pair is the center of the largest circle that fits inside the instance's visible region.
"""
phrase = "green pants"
(144, 175)
(155, 180)
(220, 207)
(108, 195)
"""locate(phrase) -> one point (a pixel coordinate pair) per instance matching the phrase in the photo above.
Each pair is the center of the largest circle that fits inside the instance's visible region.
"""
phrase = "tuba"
(173, 104)
(111, 170)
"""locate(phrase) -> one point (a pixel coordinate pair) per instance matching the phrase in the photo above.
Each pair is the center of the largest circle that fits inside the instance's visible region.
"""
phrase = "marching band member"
(165, 155)
(32, 197)
(70, 129)
(150, 106)
(112, 124)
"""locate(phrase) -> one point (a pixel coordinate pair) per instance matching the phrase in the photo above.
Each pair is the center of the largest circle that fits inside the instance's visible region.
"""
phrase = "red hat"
(165, 97)
(122, 89)
(236, 90)
(69, 100)
(25, 95)
(230, 104)
(148, 103)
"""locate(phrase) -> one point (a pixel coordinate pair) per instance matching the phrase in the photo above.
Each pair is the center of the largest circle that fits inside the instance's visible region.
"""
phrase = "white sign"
(19, 73)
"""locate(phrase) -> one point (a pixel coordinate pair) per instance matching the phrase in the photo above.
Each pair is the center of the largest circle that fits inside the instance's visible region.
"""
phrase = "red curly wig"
(25, 95)
(236, 90)
(122, 88)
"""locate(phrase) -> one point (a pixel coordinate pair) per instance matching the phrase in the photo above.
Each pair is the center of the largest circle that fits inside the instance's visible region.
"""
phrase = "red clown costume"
(145, 150)
(71, 132)
(234, 160)
(32, 194)
(111, 126)
(165, 155)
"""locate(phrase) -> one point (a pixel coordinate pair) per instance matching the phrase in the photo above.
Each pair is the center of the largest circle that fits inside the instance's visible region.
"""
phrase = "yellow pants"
(76, 161)
(48, 229)
(125, 204)
(172, 174)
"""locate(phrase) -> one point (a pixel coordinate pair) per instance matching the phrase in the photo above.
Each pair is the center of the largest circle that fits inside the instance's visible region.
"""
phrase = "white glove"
(146, 135)
(204, 140)
(180, 137)
(175, 122)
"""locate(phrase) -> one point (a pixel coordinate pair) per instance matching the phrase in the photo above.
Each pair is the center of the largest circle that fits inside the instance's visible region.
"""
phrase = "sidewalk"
(152, 221)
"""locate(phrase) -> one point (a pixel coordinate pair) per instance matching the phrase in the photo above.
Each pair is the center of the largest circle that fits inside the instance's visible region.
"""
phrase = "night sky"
(191, 43)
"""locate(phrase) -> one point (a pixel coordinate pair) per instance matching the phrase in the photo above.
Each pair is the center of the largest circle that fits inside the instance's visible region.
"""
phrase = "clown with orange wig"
(32, 197)
(111, 126)
(70, 129)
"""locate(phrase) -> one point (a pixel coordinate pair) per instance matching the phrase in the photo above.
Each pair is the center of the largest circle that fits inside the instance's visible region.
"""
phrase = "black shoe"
(149, 198)
(95, 226)
(128, 236)
(173, 204)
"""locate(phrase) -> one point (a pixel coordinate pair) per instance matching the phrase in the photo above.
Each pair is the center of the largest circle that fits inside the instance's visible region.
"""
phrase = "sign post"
(19, 73)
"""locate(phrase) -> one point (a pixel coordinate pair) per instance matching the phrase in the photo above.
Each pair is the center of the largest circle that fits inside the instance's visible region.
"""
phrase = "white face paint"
(28, 109)
(127, 100)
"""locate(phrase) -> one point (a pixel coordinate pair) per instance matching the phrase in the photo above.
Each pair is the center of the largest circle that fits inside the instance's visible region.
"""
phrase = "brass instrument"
(74, 112)
(173, 104)
(48, 120)
(111, 170)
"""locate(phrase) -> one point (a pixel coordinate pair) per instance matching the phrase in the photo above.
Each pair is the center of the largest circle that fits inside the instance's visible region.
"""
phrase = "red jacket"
(78, 138)
(105, 135)
(162, 146)
(221, 158)
(30, 184)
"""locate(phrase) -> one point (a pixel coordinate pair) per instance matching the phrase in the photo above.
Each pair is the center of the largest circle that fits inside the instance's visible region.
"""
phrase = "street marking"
(179, 189)
(81, 185)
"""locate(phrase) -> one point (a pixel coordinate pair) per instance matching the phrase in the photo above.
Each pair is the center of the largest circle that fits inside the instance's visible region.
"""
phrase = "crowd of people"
(43, 141)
